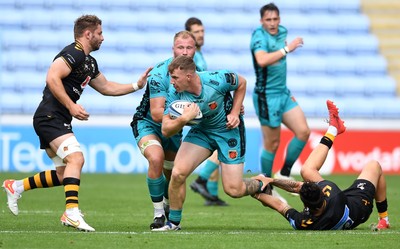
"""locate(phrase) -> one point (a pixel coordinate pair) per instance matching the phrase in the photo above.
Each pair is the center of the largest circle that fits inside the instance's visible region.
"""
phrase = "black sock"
(174, 222)
(201, 180)
(326, 141)
(285, 171)
(382, 206)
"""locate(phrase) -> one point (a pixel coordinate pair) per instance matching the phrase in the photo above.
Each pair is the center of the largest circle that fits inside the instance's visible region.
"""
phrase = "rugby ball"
(176, 110)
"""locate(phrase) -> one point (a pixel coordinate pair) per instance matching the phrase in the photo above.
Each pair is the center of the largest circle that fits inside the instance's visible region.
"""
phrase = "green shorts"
(271, 107)
(144, 127)
(230, 144)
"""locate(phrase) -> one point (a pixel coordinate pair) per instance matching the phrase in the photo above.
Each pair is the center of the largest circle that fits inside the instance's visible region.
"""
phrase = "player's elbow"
(308, 173)
(156, 118)
(157, 113)
(262, 64)
(166, 133)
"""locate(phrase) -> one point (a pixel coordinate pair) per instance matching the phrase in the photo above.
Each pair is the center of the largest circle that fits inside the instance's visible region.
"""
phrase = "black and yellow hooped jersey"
(83, 67)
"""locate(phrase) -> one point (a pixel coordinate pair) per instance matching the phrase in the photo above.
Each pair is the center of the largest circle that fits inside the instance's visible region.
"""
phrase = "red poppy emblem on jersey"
(232, 154)
(213, 105)
(87, 80)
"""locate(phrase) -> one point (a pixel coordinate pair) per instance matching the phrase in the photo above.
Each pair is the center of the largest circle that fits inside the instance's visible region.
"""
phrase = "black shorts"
(49, 128)
(360, 200)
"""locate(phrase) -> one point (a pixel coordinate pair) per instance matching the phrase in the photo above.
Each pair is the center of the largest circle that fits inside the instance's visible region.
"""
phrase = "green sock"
(293, 152)
(267, 160)
(175, 216)
(208, 169)
(156, 188)
(212, 187)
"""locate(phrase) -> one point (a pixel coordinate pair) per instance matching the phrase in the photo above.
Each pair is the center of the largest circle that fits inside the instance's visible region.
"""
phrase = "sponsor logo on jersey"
(230, 78)
(214, 82)
(155, 86)
(257, 45)
(76, 91)
(213, 105)
(85, 82)
(69, 58)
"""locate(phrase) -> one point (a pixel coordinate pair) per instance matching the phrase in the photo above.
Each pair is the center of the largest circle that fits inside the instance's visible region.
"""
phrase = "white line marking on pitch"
(192, 233)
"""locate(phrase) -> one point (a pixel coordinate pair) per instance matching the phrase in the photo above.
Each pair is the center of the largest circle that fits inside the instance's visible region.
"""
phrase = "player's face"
(270, 22)
(179, 79)
(96, 38)
(198, 32)
(184, 46)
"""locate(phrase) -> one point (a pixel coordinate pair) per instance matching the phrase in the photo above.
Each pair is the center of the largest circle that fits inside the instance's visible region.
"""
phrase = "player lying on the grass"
(326, 207)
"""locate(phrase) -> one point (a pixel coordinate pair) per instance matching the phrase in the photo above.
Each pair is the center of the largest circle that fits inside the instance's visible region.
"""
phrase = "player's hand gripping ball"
(176, 109)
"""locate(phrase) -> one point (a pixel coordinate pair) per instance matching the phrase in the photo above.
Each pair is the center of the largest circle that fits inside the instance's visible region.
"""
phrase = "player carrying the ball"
(222, 129)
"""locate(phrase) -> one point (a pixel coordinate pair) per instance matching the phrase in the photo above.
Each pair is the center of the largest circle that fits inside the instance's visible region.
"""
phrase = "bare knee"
(155, 164)
(372, 172)
(177, 177)
(233, 191)
(304, 135)
(75, 159)
(374, 166)
(60, 173)
(272, 145)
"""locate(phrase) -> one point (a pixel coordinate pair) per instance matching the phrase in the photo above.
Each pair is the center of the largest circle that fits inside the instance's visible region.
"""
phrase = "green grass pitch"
(119, 208)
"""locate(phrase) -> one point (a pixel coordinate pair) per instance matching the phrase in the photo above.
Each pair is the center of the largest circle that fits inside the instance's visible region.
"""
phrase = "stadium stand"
(340, 59)
(385, 24)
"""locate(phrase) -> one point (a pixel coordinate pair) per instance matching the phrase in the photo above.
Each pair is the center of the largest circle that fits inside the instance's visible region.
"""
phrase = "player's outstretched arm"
(288, 185)
(111, 88)
(272, 202)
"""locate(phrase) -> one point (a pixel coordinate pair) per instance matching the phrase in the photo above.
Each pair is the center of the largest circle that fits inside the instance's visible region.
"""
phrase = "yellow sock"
(383, 215)
(44, 179)
(71, 189)
(330, 136)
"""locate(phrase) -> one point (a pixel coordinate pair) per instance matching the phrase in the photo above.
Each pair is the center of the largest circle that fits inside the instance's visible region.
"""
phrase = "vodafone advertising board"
(350, 151)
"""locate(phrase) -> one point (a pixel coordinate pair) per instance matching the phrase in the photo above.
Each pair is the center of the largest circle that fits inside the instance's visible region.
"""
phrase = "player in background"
(326, 206)
(206, 183)
(195, 26)
(69, 74)
(221, 128)
(273, 101)
(159, 151)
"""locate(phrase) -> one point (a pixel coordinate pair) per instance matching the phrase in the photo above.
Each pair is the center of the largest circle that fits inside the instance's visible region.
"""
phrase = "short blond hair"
(182, 62)
(184, 35)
